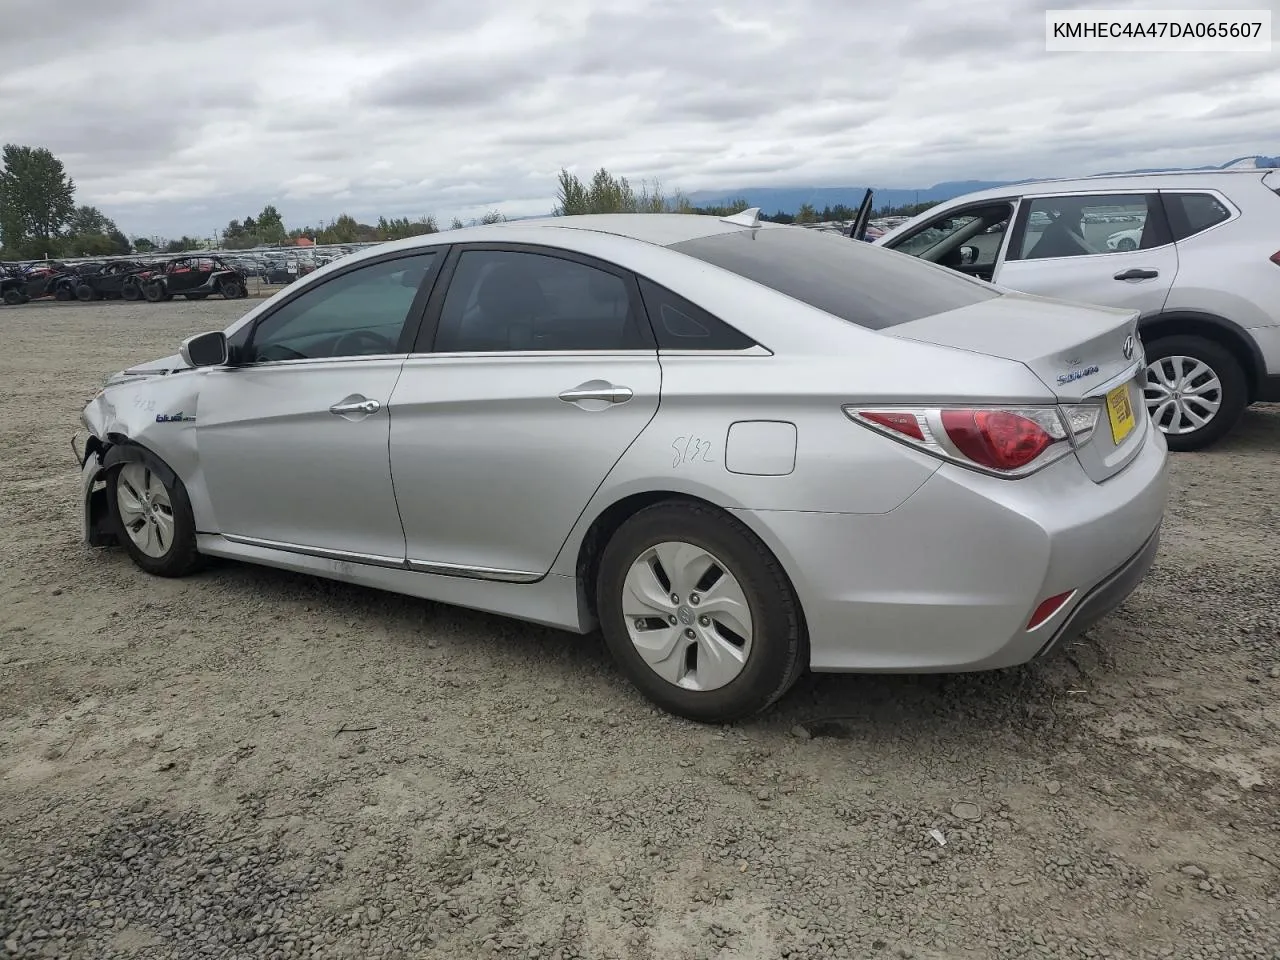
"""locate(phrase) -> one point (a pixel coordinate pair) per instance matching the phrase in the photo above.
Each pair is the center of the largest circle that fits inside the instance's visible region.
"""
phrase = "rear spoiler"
(858, 229)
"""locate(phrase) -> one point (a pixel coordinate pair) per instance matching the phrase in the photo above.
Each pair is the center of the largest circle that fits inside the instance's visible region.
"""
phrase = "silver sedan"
(737, 449)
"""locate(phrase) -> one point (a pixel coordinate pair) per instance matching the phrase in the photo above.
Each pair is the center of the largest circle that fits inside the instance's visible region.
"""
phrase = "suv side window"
(1190, 213)
(969, 237)
(1081, 226)
(360, 313)
(680, 325)
(509, 300)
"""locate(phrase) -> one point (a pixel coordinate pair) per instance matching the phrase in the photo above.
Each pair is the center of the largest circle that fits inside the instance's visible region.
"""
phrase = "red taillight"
(904, 423)
(1004, 441)
(1275, 258)
(1048, 608)
(996, 438)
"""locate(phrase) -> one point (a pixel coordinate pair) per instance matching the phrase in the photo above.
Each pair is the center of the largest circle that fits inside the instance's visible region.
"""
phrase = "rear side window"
(680, 325)
(857, 282)
(1191, 213)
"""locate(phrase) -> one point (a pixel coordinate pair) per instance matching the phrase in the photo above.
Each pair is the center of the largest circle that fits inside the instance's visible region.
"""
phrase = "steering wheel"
(347, 343)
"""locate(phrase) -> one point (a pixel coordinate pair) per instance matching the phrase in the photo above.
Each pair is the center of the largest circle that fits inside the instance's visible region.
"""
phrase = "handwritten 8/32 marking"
(690, 450)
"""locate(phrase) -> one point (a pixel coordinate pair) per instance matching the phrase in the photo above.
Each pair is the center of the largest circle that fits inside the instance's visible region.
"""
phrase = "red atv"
(194, 278)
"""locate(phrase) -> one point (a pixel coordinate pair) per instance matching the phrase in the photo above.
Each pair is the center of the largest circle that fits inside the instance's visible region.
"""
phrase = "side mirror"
(968, 254)
(205, 349)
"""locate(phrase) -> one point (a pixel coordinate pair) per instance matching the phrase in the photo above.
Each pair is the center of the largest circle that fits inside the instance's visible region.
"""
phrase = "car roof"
(1161, 180)
(663, 229)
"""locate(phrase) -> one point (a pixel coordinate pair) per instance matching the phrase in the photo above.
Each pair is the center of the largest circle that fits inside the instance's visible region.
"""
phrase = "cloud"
(398, 107)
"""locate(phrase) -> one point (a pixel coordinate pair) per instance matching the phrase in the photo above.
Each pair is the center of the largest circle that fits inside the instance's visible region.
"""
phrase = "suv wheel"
(1195, 390)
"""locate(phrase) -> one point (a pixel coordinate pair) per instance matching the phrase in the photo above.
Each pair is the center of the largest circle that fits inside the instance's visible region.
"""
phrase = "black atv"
(195, 278)
(119, 278)
(13, 287)
(52, 279)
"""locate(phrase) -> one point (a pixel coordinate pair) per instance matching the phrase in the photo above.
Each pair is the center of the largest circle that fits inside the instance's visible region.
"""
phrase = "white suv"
(1197, 253)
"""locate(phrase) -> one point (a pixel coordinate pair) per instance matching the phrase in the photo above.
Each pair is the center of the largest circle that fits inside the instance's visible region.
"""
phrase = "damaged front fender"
(149, 417)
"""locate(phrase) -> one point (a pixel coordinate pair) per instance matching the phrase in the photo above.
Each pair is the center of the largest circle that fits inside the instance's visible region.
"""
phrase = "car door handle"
(597, 390)
(355, 404)
(1136, 274)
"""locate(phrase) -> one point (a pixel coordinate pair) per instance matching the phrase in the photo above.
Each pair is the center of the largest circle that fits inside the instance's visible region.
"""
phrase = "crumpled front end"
(151, 407)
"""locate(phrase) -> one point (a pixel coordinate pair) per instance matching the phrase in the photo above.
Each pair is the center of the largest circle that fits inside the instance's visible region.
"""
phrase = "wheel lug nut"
(675, 598)
(639, 623)
(690, 634)
(695, 599)
(672, 620)
(705, 621)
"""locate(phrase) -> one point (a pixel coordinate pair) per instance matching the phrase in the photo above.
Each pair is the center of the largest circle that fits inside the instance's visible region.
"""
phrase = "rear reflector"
(1048, 608)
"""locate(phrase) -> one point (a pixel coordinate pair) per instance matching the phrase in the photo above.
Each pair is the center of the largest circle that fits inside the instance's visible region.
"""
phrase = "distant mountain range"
(790, 199)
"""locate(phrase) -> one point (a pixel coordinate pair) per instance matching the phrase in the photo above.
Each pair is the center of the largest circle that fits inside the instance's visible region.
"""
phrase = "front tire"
(153, 518)
(13, 297)
(131, 291)
(63, 293)
(1195, 391)
(698, 613)
(84, 293)
(156, 293)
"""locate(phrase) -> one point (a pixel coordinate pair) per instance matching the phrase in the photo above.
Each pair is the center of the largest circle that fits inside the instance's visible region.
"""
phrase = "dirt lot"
(251, 763)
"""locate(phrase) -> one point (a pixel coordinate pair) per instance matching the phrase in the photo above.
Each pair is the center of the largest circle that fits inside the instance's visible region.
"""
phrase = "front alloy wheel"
(154, 518)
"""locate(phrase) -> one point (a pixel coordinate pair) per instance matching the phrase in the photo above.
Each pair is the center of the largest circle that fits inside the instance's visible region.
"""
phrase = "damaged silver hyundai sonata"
(737, 449)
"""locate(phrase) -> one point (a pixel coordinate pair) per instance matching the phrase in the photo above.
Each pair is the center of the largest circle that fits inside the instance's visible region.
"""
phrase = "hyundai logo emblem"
(1128, 347)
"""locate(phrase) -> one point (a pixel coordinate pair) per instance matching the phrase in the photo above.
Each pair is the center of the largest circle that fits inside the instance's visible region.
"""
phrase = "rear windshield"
(870, 286)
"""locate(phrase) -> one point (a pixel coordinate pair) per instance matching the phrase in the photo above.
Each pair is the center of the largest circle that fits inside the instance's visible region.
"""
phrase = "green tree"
(143, 245)
(609, 194)
(494, 216)
(456, 224)
(37, 199)
(806, 214)
(270, 225)
(91, 233)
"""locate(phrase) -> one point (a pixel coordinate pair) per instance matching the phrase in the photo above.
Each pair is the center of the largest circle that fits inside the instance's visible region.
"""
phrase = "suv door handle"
(597, 390)
(1136, 274)
(355, 404)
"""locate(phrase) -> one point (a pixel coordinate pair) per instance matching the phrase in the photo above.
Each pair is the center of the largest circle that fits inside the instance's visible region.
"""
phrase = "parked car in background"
(1201, 265)
(741, 449)
(195, 278)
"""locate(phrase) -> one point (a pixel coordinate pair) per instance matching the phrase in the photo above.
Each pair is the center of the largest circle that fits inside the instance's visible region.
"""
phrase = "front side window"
(970, 237)
(1081, 226)
(360, 313)
(506, 300)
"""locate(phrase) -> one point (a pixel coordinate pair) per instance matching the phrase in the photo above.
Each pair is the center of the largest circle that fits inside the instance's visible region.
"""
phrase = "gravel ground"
(251, 763)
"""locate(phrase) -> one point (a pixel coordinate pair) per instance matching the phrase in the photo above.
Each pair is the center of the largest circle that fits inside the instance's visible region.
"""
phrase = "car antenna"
(749, 217)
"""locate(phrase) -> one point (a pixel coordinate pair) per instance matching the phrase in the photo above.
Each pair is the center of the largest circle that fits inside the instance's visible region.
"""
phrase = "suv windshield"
(857, 282)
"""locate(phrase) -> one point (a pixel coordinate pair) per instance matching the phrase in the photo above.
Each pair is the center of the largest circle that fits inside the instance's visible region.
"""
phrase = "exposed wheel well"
(1217, 331)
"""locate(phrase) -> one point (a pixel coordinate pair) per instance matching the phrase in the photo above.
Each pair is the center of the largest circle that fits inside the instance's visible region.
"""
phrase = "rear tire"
(1189, 378)
(230, 289)
(153, 519)
(156, 293)
(85, 293)
(63, 293)
(131, 291)
(13, 297)
(744, 656)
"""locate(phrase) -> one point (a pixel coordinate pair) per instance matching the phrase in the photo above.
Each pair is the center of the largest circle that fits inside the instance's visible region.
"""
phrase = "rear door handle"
(1136, 274)
(355, 404)
(597, 390)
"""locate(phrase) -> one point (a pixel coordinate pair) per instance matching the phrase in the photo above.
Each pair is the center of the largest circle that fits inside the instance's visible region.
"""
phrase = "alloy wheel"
(146, 512)
(687, 616)
(1183, 394)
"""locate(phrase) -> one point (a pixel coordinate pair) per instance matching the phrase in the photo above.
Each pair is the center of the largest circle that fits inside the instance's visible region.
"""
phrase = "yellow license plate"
(1120, 413)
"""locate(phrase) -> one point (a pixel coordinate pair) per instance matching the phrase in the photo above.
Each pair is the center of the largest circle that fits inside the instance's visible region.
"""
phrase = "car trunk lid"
(1084, 354)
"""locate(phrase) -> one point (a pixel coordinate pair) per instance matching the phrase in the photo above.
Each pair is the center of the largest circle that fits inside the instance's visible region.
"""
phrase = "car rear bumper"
(949, 580)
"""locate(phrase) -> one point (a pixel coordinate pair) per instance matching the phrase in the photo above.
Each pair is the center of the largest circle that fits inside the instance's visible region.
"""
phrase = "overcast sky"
(175, 117)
